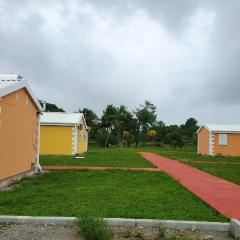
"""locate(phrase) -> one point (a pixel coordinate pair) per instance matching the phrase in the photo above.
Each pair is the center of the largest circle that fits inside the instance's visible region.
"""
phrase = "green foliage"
(189, 130)
(174, 139)
(146, 116)
(161, 232)
(140, 123)
(90, 117)
(132, 234)
(50, 107)
(164, 235)
(94, 228)
(114, 121)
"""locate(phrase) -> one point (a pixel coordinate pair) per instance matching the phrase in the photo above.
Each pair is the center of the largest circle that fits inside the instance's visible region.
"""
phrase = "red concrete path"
(98, 168)
(220, 194)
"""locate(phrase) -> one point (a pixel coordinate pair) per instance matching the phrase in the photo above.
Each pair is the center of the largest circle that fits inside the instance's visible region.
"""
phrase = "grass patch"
(112, 193)
(230, 172)
(182, 154)
(101, 157)
(92, 228)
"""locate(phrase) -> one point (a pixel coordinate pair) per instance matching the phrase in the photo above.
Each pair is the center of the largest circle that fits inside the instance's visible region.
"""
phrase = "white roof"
(60, 118)
(222, 128)
(12, 82)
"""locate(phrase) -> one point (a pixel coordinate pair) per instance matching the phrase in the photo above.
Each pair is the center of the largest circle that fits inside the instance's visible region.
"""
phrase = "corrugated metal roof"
(59, 118)
(7, 80)
(11, 77)
(222, 127)
(12, 82)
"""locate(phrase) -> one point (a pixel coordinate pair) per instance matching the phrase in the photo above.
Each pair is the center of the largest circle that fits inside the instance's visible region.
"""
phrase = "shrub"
(161, 232)
(93, 228)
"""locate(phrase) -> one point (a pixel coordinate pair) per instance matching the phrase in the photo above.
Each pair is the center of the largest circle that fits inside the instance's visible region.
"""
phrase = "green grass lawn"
(112, 193)
(182, 154)
(111, 157)
(230, 172)
(129, 157)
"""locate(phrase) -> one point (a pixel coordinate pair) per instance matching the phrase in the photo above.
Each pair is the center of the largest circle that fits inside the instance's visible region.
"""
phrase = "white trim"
(38, 143)
(211, 143)
(86, 142)
(74, 140)
(17, 86)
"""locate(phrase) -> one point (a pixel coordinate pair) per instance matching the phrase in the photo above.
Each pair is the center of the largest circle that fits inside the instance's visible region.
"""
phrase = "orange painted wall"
(231, 149)
(18, 133)
(203, 142)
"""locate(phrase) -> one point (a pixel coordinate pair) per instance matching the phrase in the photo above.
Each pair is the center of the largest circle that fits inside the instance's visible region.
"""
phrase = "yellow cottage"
(63, 133)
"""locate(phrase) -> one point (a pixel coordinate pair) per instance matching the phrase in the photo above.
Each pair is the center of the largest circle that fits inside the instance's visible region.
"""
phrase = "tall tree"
(90, 117)
(116, 120)
(146, 116)
(189, 130)
(109, 120)
(92, 121)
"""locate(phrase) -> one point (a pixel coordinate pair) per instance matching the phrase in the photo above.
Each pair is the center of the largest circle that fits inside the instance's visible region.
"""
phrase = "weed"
(127, 234)
(139, 235)
(161, 232)
(94, 228)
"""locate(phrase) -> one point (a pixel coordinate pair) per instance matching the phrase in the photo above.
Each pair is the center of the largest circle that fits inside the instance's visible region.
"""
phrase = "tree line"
(121, 127)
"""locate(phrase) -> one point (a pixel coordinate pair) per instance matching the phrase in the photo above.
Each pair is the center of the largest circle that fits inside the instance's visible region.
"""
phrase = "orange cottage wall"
(203, 142)
(231, 149)
(18, 133)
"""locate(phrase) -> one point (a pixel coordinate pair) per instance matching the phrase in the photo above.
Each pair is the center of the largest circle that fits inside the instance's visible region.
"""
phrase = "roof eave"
(57, 124)
(219, 131)
(19, 85)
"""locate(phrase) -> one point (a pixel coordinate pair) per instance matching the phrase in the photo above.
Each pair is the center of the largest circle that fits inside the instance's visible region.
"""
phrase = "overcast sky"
(184, 56)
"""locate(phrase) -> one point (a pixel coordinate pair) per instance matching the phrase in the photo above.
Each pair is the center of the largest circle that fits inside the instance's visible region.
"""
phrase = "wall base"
(8, 181)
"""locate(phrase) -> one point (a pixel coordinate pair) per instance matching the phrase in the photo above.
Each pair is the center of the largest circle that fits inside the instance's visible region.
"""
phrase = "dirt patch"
(37, 232)
(153, 233)
(59, 232)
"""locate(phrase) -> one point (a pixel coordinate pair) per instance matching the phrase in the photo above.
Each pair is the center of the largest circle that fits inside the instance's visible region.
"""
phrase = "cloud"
(182, 55)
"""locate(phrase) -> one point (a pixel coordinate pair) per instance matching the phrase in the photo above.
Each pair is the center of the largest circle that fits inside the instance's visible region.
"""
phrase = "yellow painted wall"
(56, 140)
(18, 133)
(82, 145)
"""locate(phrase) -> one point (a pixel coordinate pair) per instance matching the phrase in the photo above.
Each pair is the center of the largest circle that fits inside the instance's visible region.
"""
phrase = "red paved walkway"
(220, 194)
(98, 168)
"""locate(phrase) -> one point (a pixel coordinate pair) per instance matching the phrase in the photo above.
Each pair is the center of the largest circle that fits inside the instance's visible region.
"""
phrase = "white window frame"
(223, 139)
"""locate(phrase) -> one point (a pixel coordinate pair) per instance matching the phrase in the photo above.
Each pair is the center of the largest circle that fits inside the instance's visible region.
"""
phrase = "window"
(223, 139)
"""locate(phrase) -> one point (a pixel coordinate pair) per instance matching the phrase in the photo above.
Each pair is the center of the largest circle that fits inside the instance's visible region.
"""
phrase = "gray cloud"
(182, 55)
